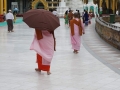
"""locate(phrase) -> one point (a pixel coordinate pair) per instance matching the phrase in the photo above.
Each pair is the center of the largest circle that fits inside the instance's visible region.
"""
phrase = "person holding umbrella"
(43, 44)
(44, 41)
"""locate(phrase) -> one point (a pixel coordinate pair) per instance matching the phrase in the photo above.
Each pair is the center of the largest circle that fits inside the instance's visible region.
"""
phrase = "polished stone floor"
(95, 67)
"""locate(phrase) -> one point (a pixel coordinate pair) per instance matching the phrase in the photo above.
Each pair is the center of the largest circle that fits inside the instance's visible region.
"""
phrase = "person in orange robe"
(77, 29)
(44, 45)
(70, 15)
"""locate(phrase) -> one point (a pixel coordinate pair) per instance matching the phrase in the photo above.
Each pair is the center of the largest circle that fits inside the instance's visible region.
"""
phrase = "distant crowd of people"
(86, 17)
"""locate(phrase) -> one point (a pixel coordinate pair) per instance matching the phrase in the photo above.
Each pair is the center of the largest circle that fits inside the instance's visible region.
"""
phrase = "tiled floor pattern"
(82, 71)
(102, 50)
(18, 20)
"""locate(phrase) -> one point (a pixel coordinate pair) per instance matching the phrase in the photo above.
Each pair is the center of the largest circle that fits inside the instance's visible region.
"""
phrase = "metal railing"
(109, 25)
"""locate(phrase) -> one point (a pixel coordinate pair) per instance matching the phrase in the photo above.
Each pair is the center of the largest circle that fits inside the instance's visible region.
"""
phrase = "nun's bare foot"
(48, 72)
(36, 69)
(76, 52)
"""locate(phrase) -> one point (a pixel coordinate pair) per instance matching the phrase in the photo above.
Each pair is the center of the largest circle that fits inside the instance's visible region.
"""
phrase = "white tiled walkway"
(70, 71)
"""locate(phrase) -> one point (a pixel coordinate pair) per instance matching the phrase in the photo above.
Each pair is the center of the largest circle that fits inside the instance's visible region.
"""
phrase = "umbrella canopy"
(41, 19)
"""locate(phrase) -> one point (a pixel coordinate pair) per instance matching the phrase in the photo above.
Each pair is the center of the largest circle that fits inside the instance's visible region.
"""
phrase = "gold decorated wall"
(110, 4)
(34, 3)
(48, 4)
(3, 6)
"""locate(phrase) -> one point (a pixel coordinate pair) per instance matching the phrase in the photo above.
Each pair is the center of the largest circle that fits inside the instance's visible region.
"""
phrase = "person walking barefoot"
(44, 45)
(77, 29)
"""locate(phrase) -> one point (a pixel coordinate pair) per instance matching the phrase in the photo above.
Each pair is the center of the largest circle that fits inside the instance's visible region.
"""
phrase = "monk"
(70, 15)
(44, 45)
(77, 29)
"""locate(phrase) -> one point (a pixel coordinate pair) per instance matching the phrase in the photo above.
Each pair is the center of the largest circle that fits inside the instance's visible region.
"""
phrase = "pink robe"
(44, 47)
(76, 38)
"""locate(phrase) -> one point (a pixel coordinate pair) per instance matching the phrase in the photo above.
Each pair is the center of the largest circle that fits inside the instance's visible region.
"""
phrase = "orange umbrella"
(41, 19)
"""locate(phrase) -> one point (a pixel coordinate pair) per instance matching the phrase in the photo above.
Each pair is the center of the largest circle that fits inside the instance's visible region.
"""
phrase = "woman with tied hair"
(77, 29)
(4, 14)
(78, 13)
(86, 18)
(66, 18)
(70, 15)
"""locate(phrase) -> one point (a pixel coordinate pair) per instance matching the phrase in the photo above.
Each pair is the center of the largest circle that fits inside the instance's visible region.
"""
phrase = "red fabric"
(40, 66)
(74, 21)
(1, 18)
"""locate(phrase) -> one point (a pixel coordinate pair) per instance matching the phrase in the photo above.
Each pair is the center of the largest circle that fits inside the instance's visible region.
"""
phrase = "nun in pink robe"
(43, 45)
(77, 29)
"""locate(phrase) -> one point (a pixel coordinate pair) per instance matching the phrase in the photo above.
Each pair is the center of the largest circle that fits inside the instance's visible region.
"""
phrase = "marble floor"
(95, 67)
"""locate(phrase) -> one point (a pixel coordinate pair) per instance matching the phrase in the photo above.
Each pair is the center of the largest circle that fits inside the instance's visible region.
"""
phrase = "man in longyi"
(77, 29)
(9, 19)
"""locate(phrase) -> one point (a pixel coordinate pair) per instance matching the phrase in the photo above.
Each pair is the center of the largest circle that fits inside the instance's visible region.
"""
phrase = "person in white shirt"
(117, 12)
(9, 19)
(4, 14)
(55, 12)
(15, 12)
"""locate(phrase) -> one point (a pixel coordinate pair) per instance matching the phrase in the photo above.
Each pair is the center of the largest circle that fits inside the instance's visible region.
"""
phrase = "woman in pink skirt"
(77, 29)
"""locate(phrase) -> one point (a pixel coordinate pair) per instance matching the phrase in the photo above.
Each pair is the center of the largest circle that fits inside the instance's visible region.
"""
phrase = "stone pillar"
(107, 3)
(21, 6)
(116, 5)
(5, 5)
(113, 6)
(100, 3)
(1, 6)
(52, 4)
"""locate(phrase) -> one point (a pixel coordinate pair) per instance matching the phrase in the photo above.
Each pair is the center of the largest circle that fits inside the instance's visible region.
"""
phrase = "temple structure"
(75, 4)
(108, 6)
(3, 6)
(62, 8)
(91, 7)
